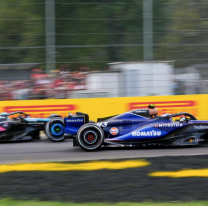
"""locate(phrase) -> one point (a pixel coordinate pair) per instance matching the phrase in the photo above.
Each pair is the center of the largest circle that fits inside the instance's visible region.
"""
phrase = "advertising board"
(103, 107)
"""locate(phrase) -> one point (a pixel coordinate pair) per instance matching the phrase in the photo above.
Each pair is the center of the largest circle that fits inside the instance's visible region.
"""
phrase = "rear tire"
(90, 137)
(54, 129)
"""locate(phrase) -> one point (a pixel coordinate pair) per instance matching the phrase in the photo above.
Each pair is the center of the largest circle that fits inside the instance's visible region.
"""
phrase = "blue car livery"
(136, 128)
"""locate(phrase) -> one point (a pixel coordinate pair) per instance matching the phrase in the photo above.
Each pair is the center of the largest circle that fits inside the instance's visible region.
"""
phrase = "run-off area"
(111, 185)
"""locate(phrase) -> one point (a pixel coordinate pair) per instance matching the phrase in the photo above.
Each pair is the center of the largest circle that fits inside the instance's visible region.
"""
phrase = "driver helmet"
(183, 119)
(151, 106)
(153, 112)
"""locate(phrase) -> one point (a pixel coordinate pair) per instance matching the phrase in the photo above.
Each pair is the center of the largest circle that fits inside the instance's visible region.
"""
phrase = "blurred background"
(109, 48)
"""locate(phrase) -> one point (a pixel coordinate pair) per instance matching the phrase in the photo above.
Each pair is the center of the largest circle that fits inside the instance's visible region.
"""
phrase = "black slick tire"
(90, 137)
(54, 129)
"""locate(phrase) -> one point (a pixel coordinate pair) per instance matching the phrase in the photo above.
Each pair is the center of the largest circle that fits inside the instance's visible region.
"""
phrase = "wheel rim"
(90, 137)
(57, 129)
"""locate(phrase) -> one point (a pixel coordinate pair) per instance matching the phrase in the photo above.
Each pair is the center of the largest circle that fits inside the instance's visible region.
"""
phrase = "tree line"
(92, 33)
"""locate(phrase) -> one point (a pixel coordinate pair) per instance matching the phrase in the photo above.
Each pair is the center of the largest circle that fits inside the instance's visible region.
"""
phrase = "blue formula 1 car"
(18, 126)
(141, 127)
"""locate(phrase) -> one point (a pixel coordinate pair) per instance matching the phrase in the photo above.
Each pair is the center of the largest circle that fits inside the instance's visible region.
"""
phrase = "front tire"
(54, 129)
(90, 137)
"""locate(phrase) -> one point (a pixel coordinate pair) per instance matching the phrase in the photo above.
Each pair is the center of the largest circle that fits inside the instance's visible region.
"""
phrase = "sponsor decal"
(114, 131)
(164, 104)
(196, 140)
(152, 133)
(169, 125)
(43, 111)
(140, 111)
(200, 127)
(40, 108)
(36, 123)
(102, 124)
(75, 120)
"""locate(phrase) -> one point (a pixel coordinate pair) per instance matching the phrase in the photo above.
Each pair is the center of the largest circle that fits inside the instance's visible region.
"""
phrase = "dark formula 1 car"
(18, 126)
(131, 129)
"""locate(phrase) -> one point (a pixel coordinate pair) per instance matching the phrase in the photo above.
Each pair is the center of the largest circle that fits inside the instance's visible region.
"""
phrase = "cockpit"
(152, 112)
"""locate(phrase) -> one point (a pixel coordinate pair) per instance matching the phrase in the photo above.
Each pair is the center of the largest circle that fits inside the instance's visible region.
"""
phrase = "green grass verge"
(7, 202)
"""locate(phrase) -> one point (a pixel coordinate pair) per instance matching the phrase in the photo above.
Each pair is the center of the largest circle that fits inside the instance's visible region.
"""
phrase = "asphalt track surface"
(46, 151)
